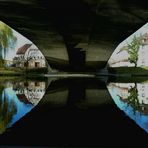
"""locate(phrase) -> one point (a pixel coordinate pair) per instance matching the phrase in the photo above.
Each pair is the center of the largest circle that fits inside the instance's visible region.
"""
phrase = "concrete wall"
(99, 25)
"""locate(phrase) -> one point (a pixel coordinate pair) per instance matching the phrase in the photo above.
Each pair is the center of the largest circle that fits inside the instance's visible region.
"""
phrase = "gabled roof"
(23, 49)
(23, 98)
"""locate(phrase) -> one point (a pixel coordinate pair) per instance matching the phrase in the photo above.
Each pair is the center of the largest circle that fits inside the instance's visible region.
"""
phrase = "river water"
(73, 111)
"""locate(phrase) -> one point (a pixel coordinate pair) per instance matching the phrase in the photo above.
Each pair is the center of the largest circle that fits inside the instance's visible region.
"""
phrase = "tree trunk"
(1, 52)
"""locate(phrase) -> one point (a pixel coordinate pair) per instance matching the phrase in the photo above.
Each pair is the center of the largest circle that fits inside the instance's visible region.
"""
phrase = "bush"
(2, 63)
(37, 70)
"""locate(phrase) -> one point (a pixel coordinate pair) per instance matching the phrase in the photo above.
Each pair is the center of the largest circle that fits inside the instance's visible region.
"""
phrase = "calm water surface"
(17, 98)
(73, 111)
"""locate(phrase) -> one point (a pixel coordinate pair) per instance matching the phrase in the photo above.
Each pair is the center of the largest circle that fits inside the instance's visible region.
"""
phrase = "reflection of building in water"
(17, 99)
(30, 92)
(143, 93)
(123, 91)
(132, 101)
(29, 56)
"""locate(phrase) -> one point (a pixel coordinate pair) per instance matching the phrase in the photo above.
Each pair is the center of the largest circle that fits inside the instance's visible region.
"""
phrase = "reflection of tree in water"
(7, 110)
(132, 99)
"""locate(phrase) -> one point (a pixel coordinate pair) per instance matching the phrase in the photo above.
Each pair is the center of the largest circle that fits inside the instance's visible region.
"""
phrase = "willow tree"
(7, 109)
(6, 39)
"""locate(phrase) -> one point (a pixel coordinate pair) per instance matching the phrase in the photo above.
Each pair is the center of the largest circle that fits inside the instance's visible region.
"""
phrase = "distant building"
(143, 39)
(143, 51)
(29, 56)
(121, 58)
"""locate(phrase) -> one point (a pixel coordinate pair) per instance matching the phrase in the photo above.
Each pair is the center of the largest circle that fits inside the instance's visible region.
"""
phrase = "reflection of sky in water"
(16, 103)
(138, 117)
(21, 107)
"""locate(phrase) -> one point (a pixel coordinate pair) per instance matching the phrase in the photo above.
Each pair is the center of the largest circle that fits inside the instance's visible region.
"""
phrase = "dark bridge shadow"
(81, 33)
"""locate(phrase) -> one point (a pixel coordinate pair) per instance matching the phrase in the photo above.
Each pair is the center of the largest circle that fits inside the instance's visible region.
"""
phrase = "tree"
(6, 38)
(133, 49)
(132, 99)
(7, 109)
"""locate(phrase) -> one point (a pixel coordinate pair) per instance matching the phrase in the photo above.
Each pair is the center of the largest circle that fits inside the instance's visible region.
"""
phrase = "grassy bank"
(128, 79)
(20, 72)
(10, 72)
(131, 71)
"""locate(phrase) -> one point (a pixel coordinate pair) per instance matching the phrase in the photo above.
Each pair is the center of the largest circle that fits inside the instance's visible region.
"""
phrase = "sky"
(21, 40)
(140, 31)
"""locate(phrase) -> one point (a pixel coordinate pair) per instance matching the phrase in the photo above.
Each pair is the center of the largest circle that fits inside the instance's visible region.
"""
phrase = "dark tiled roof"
(23, 98)
(23, 49)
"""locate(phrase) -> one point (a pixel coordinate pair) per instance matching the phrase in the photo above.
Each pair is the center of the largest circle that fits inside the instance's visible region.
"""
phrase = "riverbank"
(21, 72)
(129, 71)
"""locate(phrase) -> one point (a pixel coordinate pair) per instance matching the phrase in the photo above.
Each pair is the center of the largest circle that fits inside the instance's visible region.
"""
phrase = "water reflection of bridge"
(86, 92)
(81, 103)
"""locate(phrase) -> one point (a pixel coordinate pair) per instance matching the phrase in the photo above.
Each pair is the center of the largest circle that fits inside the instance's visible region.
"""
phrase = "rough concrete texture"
(76, 31)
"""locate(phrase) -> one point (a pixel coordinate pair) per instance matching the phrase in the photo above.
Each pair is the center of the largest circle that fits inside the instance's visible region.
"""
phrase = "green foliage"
(6, 37)
(7, 110)
(42, 70)
(133, 98)
(2, 62)
(133, 49)
(1, 88)
(6, 34)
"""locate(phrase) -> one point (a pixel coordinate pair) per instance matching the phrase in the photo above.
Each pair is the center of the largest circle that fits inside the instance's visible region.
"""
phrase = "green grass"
(36, 71)
(4, 71)
(17, 71)
(126, 79)
(132, 71)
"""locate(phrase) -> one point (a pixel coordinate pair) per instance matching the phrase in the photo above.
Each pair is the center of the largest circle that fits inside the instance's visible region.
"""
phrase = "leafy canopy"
(133, 49)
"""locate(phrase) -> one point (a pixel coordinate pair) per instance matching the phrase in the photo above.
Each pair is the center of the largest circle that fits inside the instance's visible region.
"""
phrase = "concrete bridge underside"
(76, 35)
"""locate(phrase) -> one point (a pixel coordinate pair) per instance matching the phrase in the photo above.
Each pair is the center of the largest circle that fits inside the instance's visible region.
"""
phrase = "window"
(143, 95)
(37, 84)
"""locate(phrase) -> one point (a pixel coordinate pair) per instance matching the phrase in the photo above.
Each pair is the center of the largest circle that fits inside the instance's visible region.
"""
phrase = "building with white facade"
(120, 57)
(29, 56)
